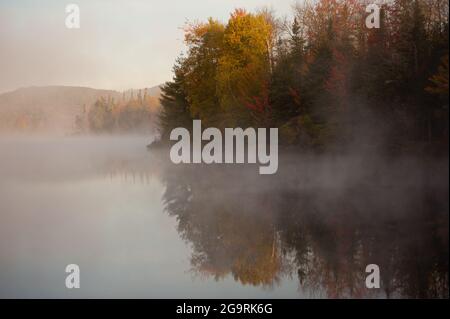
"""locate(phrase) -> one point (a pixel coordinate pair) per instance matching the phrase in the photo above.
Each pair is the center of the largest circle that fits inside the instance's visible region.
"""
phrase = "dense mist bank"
(70, 158)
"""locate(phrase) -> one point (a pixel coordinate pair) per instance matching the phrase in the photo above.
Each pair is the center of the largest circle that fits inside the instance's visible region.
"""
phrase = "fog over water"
(139, 226)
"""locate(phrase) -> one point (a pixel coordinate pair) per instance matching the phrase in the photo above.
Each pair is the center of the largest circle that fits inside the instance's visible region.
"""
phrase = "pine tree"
(175, 108)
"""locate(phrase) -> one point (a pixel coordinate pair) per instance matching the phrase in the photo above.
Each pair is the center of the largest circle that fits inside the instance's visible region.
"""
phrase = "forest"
(324, 79)
(127, 115)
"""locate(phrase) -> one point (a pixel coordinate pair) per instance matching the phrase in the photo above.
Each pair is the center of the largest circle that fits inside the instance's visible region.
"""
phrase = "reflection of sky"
(115, 229)
(119, 235)
(121, 43)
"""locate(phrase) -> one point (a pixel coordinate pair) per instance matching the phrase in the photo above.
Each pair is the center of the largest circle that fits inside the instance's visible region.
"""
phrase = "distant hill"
(152, 91)
(52, 108)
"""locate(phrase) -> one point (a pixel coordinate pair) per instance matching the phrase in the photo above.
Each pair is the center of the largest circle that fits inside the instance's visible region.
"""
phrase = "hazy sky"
(121, 44)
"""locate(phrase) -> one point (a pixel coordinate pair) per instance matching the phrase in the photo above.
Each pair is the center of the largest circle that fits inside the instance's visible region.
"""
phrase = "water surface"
(140, 227)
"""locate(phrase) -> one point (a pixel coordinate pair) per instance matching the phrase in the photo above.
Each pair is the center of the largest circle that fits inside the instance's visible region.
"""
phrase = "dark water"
(139, 226)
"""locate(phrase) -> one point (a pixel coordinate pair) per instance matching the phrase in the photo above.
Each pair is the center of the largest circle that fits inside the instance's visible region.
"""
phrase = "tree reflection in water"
(320, 225)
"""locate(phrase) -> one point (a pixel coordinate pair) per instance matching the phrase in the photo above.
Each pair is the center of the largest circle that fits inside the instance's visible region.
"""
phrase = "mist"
(123, 212)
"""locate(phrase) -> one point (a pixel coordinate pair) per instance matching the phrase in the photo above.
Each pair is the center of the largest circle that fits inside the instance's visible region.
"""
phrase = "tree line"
(323, 78)
(129, 114)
